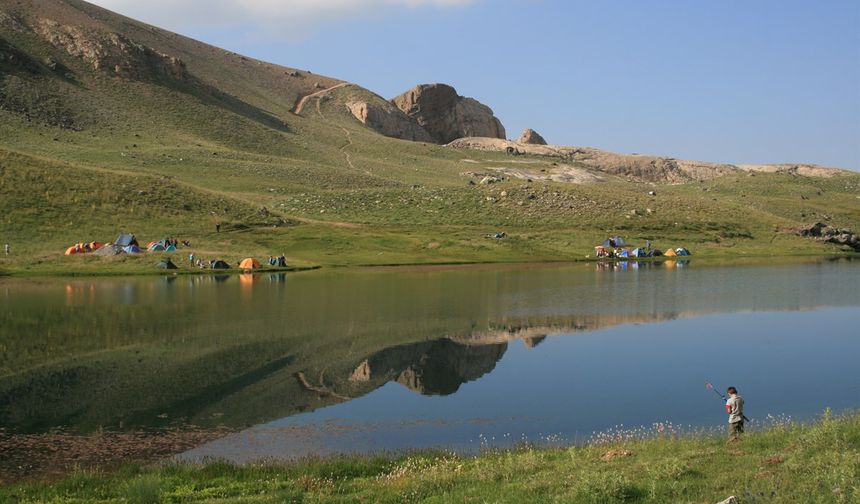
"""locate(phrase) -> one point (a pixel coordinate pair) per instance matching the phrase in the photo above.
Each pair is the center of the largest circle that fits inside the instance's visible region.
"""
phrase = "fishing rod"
(710, 386)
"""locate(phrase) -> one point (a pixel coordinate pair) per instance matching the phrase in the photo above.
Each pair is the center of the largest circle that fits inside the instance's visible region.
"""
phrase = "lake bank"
(787, 462)
(144, 264)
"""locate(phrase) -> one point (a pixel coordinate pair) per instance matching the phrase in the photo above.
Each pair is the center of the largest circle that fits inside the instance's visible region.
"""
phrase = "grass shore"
(785, 462)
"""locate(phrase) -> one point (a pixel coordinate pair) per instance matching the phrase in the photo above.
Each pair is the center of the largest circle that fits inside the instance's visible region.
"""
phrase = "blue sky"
(731, 81)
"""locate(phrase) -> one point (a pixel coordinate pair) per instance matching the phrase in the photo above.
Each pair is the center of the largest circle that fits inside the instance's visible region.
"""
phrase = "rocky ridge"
(638, 167)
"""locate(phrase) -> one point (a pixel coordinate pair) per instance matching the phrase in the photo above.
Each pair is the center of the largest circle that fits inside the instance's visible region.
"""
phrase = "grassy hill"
(109, 125)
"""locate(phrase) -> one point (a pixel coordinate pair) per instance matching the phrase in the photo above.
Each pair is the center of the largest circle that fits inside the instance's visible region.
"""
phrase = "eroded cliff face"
(446, 116)
(388, 120)
(111, 52)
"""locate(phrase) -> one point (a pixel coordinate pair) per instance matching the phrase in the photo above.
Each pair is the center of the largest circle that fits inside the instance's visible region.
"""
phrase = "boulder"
(532, 137)
(447, 116)
(388, 120)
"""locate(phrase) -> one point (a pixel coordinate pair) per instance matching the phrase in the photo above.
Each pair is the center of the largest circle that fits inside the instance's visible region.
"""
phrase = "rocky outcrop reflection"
(430, 368)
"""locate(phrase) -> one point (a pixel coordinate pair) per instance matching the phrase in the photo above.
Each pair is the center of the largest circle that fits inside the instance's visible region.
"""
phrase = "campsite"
(173, 257)
(342, 251)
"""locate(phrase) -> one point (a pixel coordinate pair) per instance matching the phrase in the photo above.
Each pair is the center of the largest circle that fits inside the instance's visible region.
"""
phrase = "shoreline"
(428, 266)
(783, 461)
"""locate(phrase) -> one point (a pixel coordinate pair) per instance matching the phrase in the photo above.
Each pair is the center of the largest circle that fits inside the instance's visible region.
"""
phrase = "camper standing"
(6, 248)
(735, 410)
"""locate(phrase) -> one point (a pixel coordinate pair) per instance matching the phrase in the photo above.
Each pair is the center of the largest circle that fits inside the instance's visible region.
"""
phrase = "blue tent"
(170, 249)
(624, 253)
(125, 240)
(615, 241)
(156, 247)
(131, 249)
(639, 252)
(681, 251)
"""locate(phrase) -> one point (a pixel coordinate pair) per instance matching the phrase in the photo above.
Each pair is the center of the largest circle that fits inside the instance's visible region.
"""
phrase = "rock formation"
(823, 232)
(531, 137)
(111, 52)
(388, 120)
(446, 116)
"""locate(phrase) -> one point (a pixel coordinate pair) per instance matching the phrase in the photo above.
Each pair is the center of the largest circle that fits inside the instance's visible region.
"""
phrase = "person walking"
(735, 410)
(6, 248)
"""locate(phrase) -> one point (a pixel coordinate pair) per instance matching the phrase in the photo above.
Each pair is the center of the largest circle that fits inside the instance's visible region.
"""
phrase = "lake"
(96, 372)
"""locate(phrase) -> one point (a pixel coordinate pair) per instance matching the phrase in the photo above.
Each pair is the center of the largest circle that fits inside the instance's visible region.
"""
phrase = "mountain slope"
(94, 106)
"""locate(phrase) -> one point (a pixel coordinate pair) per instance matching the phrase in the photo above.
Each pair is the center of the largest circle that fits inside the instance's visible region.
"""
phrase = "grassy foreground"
(787, 462)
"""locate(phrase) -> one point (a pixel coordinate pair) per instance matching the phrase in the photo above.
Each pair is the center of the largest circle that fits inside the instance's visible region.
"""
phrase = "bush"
(144, 489)
(605, 488)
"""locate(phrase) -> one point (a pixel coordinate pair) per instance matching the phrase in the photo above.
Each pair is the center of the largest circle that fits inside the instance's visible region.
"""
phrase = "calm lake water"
(101, 371)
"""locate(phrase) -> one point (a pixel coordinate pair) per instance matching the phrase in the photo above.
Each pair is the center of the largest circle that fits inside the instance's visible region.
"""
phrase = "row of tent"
(249, 263)
(84, 248)
(160, 246)
(603, 251)
(124, 244)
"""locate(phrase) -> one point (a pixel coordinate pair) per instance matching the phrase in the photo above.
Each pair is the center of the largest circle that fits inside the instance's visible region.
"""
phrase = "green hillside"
(161, 135)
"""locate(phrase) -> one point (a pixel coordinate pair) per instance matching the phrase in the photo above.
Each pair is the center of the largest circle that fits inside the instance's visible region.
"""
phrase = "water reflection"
(233, 351)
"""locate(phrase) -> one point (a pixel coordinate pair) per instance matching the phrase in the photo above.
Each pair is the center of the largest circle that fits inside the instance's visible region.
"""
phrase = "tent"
(639, 252)
(171, 248)
(150, 244)
(219, 264)
(249, 263)
(670, 253)
(166, 264)
(73, 250)
(600, 251)
(108, 250)
(131, 249)
(615, 241)
(624, 253)
(681, 251)
(655, 253)
(156, 247)
(125, 240)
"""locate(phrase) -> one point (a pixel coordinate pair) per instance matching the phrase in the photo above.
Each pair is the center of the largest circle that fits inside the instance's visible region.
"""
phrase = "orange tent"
(670, 253)
(249, 263)
(72, 250)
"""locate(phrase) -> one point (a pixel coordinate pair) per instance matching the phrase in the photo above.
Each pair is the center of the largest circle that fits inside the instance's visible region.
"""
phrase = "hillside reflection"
(229, 352)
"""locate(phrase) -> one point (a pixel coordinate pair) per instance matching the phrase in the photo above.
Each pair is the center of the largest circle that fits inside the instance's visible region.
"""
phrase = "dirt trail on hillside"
(303, 100)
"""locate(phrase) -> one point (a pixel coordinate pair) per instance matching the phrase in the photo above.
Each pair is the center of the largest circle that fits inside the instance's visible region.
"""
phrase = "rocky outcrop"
(531, 137)
(446, 116)
(111, 52)
(640, 167)
(388, 120)
(823, 232)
